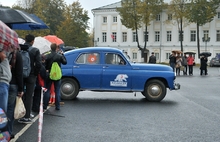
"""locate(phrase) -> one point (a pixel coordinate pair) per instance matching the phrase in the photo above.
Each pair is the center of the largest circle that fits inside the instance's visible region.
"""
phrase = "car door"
(116, 75)
(87, 69)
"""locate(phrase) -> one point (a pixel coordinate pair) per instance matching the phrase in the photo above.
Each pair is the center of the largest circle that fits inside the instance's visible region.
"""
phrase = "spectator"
(50, 58)
(152, 58)
(15, 87)
(203, 65)
(5, 78)
(127, 54)
(184, 63)
(190, 61)
(172, 61)
(29, 82)
(40, 82)
(178, 63)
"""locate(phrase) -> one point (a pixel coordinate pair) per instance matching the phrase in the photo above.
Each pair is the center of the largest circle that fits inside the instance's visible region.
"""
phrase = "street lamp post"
(206, 39)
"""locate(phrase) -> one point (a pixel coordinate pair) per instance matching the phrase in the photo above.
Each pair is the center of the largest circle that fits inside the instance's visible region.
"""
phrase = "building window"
(192, 35)
(218, 35)
(134, 55)
(115, 19)
(124, 36)
(134, 37)
(104, 37)
(145, 36)
(158, 17)
(104, 19)
(169, 16)
(167, 56)
(180, 36)
(218, 15)
(206, 34)
(114, 37)
(157, 36)
(169, 36)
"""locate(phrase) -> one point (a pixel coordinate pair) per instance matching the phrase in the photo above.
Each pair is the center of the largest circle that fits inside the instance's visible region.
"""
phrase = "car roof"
(94, 49)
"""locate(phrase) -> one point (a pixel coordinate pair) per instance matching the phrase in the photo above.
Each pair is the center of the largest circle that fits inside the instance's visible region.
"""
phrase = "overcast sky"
(86, 5)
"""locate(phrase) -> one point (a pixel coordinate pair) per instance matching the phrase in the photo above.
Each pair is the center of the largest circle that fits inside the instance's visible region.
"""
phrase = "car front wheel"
(155, 90)
(69, 88)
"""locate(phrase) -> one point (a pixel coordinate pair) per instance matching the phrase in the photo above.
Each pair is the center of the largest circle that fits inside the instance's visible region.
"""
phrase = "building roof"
(110, 6)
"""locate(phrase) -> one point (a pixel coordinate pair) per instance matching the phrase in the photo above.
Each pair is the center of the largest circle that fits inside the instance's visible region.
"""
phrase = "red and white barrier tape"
(40, 123)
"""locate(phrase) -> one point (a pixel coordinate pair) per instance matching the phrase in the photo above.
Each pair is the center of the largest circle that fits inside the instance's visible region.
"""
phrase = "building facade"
(162, 36)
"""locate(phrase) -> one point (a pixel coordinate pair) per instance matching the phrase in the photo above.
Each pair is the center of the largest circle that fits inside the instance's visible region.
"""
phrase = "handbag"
(182, 68)
(20, 110)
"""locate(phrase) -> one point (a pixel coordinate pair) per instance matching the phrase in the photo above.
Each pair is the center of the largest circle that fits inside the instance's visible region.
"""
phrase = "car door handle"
(75, 66)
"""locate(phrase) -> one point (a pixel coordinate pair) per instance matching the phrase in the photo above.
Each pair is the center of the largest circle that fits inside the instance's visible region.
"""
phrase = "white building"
(162, 39)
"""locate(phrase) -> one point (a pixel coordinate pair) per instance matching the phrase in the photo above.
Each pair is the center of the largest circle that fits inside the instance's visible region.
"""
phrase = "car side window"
(115, 59)
(88, 58)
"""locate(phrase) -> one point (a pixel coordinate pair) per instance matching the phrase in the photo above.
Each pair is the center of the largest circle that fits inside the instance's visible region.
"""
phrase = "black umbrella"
(13, 17)
(30, 26)
(206, 54)
(189, 52)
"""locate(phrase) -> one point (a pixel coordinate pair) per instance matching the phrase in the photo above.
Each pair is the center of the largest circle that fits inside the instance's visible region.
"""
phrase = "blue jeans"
(173, 66)
(57, 84)
(13, 92)
(4, 96)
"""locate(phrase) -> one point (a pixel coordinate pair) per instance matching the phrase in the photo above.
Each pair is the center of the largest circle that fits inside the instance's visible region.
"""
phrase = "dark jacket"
(54, 57)
(35, 58)
(17, 70)
(152, 59)
(203, 65)
(172, 59)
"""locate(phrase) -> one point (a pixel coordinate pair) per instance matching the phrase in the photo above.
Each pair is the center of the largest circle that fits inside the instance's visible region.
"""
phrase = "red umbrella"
(7, 37)
(54, 39)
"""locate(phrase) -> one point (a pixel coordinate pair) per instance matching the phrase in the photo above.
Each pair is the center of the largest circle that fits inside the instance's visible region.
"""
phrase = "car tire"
(69, 89)
(155, 90)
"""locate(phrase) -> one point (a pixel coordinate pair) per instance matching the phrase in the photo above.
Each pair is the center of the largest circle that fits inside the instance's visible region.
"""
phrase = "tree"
(130, 17)
(178, 9)
(54, 13)
(202, 12)
(136, 13)
(149, 10)
(73, 28)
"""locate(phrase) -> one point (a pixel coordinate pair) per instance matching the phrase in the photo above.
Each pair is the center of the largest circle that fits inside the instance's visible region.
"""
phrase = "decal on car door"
(120, 80)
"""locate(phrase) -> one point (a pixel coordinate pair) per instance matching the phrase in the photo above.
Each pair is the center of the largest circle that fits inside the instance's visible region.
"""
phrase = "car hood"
(153, 67)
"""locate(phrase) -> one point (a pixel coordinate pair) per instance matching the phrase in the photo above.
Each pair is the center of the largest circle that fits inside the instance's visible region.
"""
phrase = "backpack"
(3, 119)
(4, 135)
(26, 62)
(55, 71)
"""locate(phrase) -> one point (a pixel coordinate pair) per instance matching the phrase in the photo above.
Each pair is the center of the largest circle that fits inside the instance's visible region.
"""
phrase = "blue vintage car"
(108, 69)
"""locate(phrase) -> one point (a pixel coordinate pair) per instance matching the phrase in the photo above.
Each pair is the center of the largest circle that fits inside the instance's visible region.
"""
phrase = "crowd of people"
(13, 84)
(183, 63)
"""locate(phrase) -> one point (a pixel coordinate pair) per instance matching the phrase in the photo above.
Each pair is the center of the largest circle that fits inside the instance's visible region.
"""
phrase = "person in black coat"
(172, 61)
(152, 59)
(203, 65)
(37, 90)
